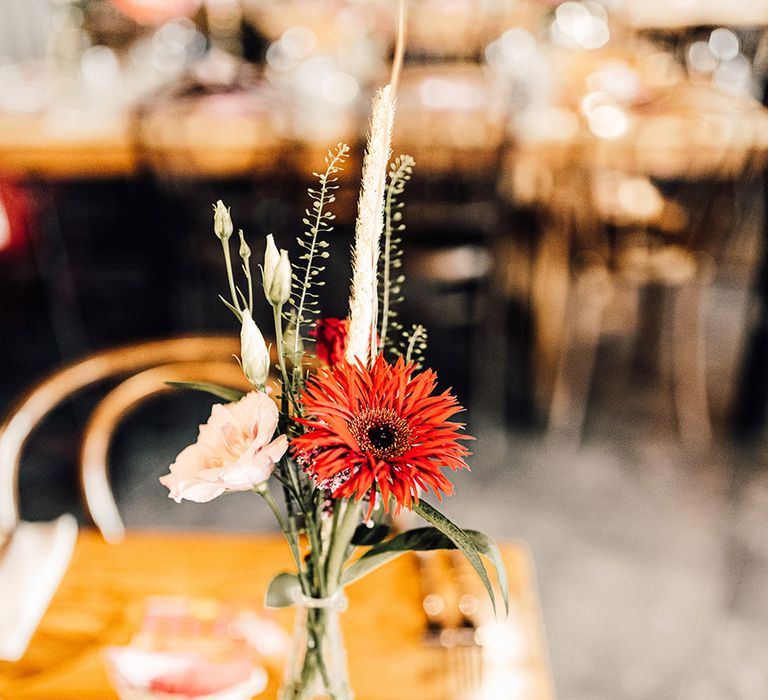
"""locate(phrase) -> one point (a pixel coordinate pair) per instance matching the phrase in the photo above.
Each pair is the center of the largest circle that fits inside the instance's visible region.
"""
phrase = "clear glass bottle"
(317, 661)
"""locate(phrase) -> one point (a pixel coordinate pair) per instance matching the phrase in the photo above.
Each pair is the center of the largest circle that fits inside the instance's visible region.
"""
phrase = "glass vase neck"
(317, 661)
(336, 601)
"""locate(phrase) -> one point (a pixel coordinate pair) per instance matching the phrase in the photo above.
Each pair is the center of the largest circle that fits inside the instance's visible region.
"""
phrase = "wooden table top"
(99, 602)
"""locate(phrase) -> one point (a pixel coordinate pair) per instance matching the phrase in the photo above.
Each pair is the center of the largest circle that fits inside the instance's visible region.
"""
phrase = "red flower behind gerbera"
(382, 427)
(331, 337)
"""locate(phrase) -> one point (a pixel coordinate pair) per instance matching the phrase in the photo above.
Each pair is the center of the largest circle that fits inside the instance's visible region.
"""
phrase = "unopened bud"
(271, 255)
(245, 251)
(222, 221)
(277, 274)
(254, 352)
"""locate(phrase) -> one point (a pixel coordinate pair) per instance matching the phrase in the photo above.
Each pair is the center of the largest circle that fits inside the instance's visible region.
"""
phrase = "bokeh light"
(580, 25)
(608, 121)
(724, 44)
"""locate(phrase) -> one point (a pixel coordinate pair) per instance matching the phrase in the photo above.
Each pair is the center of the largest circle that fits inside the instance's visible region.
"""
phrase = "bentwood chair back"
(195, 358)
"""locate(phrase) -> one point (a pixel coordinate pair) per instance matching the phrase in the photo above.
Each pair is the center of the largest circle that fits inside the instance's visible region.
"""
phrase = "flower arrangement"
(352, 432)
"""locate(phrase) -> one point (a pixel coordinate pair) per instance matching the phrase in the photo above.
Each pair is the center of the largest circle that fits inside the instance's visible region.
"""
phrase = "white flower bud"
(277, 274)
(222, 221)
(245, 251)
(271, 258)
(281, 284)
(254, 352)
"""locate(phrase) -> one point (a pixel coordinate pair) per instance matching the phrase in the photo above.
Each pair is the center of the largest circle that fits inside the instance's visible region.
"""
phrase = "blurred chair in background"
(616, 240)
(667, 283)
(116, 405)
(452, 123)
(198, 358)
(623, 167)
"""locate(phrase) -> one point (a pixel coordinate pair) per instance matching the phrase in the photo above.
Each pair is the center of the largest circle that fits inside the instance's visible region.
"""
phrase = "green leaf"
(485, 545)
(366, 536)
(418, 540)
(223, 392)
(283, 591)
(462, 541)
(425, 539)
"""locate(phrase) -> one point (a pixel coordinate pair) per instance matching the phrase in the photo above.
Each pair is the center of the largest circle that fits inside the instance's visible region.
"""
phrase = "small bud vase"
(317, 660)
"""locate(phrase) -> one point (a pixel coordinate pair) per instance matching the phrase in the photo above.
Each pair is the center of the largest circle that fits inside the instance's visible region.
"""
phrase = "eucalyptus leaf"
(366, 536)
(223, 392)
(283, 591)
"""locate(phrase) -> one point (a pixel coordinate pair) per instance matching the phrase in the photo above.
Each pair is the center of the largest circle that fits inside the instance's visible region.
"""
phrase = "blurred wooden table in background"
(65, 148)
(198, 139)
(100, 603)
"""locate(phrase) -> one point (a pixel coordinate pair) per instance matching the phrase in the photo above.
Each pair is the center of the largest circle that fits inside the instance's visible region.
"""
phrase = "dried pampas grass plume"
(363, 298)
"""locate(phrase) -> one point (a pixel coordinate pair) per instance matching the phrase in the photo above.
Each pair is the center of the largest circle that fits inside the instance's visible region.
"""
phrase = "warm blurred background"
(585, 243)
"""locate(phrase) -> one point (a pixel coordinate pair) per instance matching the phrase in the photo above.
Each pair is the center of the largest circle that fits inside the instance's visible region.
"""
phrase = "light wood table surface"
(99, 603)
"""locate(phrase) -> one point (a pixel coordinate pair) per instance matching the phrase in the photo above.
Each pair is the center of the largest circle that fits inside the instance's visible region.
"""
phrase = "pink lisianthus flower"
(234, 451)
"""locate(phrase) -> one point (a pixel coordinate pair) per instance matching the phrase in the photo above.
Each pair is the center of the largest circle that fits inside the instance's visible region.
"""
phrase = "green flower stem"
(386, 267)
(315, 230)
(337, 553)
(315, 549)
(294, 479)
(230, 276)
(335, 522)
(314, 662)
(263, 491)
(247, 271)
(288, 530)
(324, 529)
(316, 553)
(317, 630)
(285, 474)
(298, 381)
(287, 485)
(415, 337)
(303, 690)
(276, 313)
(314, 671)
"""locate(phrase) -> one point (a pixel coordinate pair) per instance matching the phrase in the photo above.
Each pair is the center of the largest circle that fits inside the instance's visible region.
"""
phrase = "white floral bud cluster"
(254, 353)
(277, 289)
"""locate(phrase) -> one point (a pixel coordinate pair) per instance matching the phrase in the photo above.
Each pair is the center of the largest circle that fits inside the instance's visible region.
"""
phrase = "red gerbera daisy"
(382, 427)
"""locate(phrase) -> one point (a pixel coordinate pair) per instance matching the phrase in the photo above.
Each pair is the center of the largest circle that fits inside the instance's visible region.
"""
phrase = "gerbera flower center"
(381, 436)
(381, 432)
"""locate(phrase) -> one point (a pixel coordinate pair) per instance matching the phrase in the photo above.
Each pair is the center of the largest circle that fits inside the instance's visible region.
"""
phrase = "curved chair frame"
(116, 405)
(37, 403)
